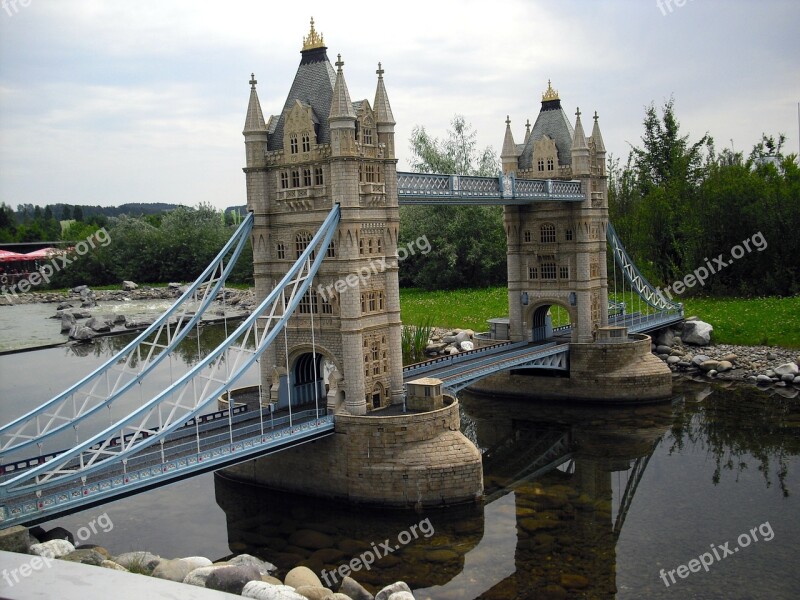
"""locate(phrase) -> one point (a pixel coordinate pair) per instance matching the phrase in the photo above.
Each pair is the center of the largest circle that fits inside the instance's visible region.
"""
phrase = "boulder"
(110, 564)
(462, 337)
(662, 349)
(673, 360)
(300, 576)
(385, 593)
(311, 592)
(402, 595)
(731, 358)
(724, 366)
(138, 562)
(796, 380)
(79, 289)
(67, 322)
(264, 568)
(787, 369)
(709, 365)
(467, 345)
(52, 548)
(232, 578)
(697, 333)
(129, 286)
(451, 350)
(763, 380)
(700, 359)
(260, 590)
(354, 590)
(87, 556)
(198, 576)
(98, 325)
(63, 306)
(173, 570)
(665, 338)
(788, 378)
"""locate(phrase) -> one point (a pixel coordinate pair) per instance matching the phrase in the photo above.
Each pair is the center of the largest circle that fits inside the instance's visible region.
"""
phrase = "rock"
(119, 320)
(451, 350)
(87, 556)
(462, 337)
(129, 286)
(260, 590)
(665, 338)
(16, 539)
(467, 345)
(731, 358)
(712, 373)
(67, 322)
(661, 349)
(700, 359)
(449, 339)
(763, 380)
(52, 548)
(385, 593)
(354, 590)
(173, 570)
(98, 325)
(313, 593)
(788, 378)
(724, 366)
(79, 289)
(684, 365)
(402, 596)
(110, 564)
(771, 356)
(173, 285)
(57, 533)
(81, 333)
(64, 306)
(308, 538)
(264, 568)
(138, 562)
(770, 373)
(673, 360)
(232, 578)
(708, 365)
(787, 369)
(300, 576)
(198, 576)
(697, 333)
(796, 380)
(106, 554)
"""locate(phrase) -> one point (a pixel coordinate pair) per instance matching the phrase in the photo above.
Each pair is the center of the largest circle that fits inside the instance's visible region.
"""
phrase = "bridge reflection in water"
(559, 481)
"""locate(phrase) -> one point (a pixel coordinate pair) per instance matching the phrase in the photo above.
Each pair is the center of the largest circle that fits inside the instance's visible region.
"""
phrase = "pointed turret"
(341, 105)
(508, 155)
(527, 131)
(383, 116)
(599, 146)
(580, 149)
(255, 130)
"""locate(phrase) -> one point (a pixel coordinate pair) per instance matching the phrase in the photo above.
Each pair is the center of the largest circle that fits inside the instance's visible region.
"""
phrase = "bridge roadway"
(221, 443)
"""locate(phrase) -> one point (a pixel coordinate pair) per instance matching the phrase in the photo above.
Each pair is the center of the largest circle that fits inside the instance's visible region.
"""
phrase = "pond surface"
(581, 501)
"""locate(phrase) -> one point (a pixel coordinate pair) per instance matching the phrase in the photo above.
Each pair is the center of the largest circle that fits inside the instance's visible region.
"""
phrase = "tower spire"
(580, 149)
(254, 122)
(341, 105)
(383, 110)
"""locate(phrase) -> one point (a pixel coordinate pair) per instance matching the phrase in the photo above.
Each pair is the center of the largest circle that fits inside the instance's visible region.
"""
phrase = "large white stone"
(697, 333)
(787, 369)
(52, 548)
(260, 590)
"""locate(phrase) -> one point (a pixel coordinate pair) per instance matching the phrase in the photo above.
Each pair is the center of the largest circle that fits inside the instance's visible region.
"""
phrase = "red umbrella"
(8, 256)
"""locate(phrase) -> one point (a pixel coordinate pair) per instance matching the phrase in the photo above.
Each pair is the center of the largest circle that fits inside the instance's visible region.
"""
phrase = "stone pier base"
(613, 372)
(414, 459)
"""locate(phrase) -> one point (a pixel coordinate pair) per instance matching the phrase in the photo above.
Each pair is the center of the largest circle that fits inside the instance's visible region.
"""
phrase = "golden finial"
(550, 94)
(313, 39)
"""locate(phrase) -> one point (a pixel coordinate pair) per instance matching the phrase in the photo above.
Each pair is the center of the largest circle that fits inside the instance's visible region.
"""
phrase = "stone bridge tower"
(321, 150)
(557, 250)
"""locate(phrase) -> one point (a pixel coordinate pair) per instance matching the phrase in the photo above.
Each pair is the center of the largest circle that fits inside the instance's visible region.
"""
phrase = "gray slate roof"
(312, 85)
(555, 124)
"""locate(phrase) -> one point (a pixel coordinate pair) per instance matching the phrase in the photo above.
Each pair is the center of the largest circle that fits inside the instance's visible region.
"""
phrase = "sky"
(114, 101)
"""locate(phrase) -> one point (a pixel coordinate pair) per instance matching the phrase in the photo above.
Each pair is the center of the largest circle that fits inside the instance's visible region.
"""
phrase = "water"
(714, 465)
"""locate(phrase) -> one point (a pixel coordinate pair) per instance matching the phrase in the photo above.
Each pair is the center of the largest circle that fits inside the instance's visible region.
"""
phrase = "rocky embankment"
(76, 309)
(444, 342)
(241, 574)
(687, 349)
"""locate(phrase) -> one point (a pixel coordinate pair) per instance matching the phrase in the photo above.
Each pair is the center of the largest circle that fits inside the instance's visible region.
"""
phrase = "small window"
(281, 252)
(301, 241)
(549, 271)
(568, 235)
(364, 306)
(373, 302)
(549, 164)
(527, 236)
(533, 273)
(284, 180)
(563, 272)
(370, 173)
(306, 143)
(369, 246)
(308, 303)
(380, 301)
(379, 245)
(318, 176)
(295, 178)
(293, 143)
(361, 246)
(327, 307)
(368, 136)
(548, 233)
(307, 177)
(540, 164)
(361, 173)
(332, 249)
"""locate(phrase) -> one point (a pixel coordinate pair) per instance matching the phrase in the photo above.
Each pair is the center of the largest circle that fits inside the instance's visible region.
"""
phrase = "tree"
(468, 247)
(77, 213)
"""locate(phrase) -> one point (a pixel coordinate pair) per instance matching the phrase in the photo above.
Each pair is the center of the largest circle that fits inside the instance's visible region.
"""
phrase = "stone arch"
(377, 396)
(309, 375)
(540, 326)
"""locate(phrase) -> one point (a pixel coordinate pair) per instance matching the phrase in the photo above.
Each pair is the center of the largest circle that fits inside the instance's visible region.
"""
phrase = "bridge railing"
(432, 363)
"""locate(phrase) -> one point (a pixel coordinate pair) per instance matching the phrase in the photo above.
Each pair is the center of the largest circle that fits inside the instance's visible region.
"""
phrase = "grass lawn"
(750, 322)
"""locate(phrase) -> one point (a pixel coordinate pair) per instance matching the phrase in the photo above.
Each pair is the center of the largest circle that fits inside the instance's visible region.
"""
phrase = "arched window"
(293, 143)
(318, 179)
(548, 233)
(295, 178)
(301, 241)
(284, 180)
(550, 164)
